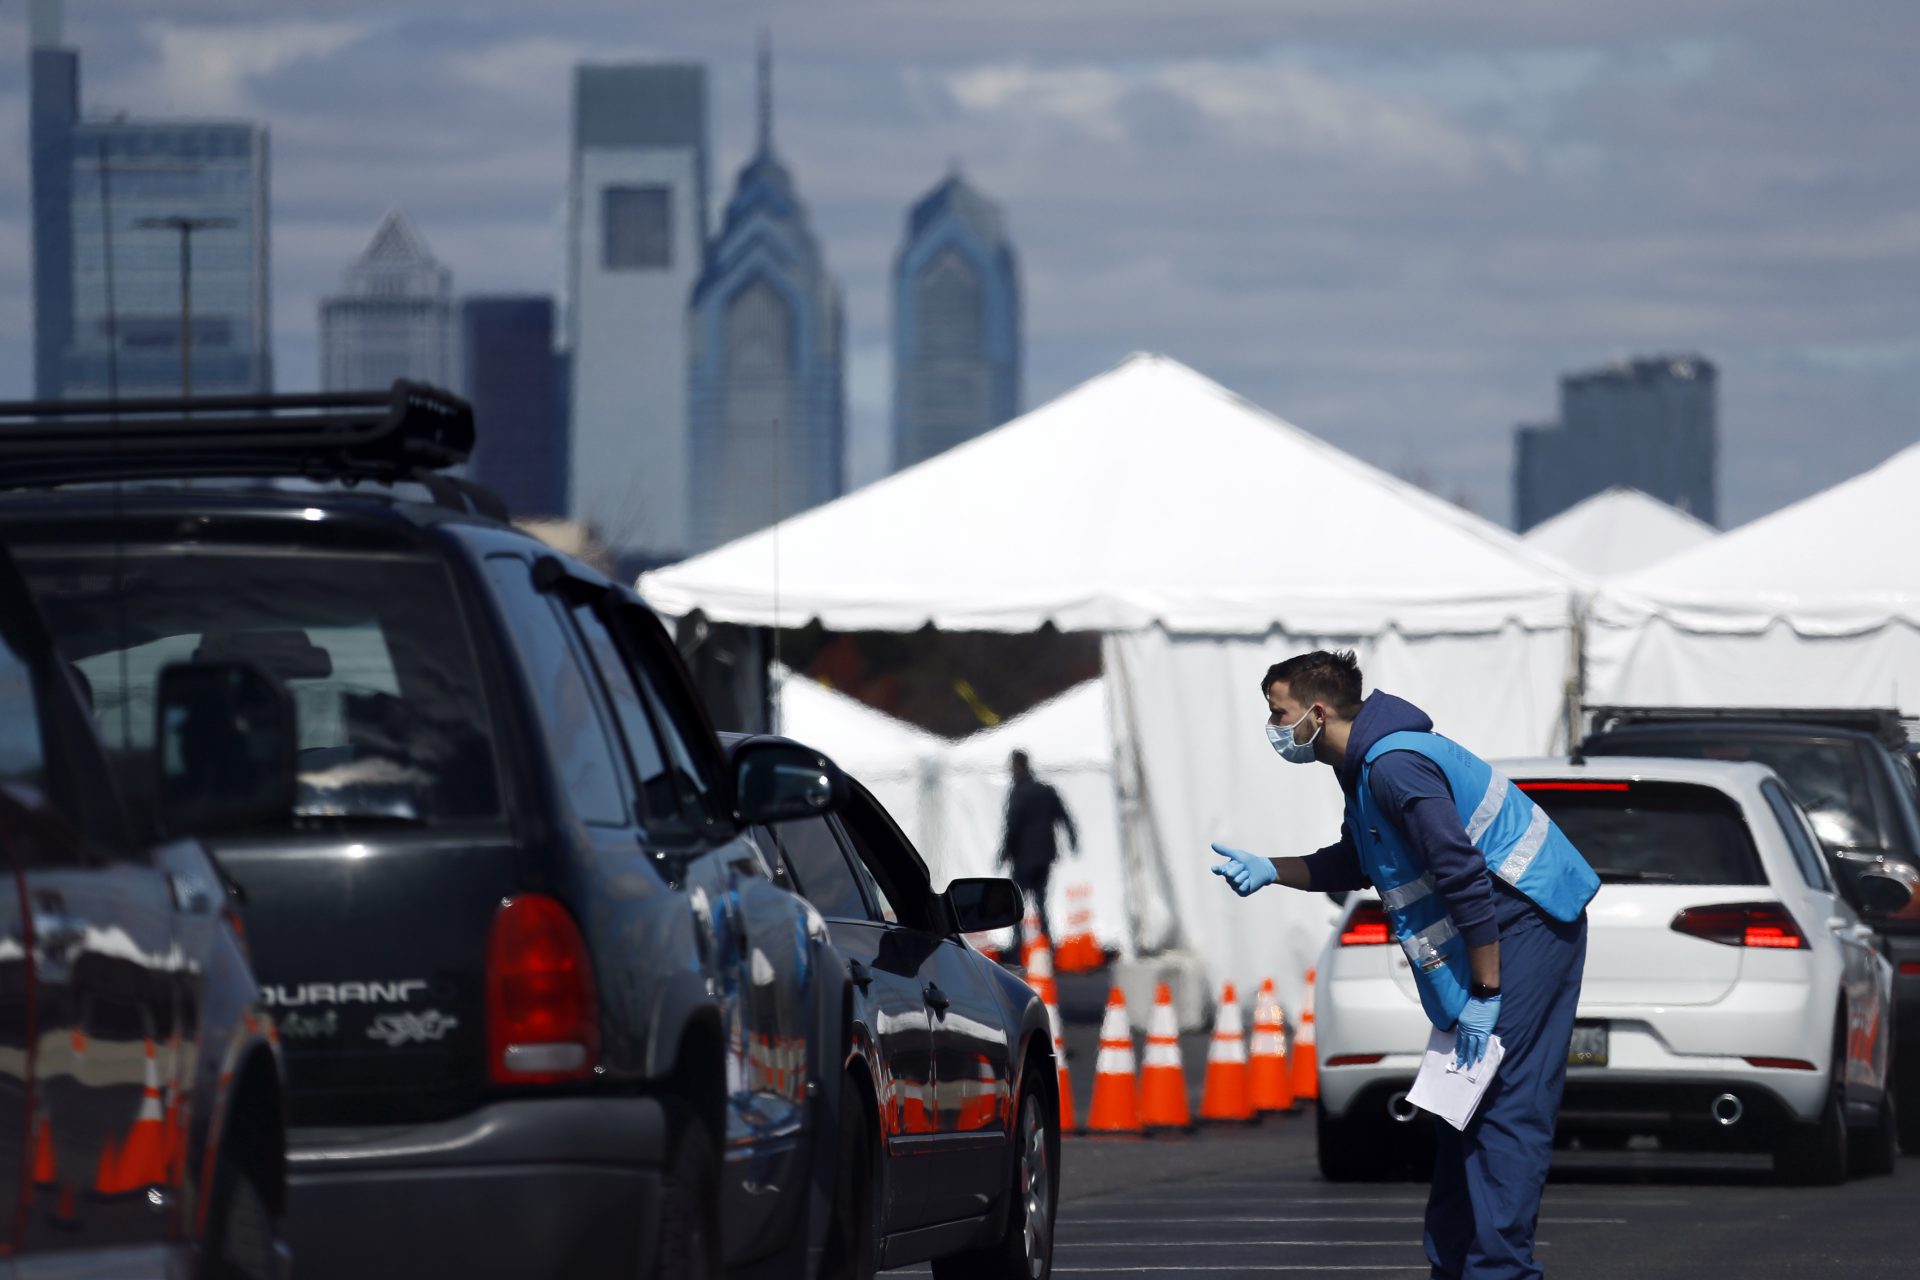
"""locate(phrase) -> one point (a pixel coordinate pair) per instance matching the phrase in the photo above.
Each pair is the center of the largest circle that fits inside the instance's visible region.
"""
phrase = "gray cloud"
(1391, 221)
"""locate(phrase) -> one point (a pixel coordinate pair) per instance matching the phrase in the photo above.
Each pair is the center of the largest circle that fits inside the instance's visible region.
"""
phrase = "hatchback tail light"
(1765, 925)
(1368, 926)
(543, 1022)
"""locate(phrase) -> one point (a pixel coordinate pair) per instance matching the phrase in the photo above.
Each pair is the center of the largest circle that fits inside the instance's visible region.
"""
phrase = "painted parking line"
(1077, 1245)
(1244, 1221)
(1318, 1268)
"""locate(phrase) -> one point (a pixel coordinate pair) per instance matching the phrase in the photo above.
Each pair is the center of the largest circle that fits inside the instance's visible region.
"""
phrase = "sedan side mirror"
(782, 781)
(224, 742)
(1887, 888)
(984, 904)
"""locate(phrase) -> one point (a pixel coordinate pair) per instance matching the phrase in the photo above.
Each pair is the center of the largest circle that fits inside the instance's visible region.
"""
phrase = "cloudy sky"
(1391, 221)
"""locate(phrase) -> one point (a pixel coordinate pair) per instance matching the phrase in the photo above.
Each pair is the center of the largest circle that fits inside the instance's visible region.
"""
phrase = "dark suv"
(544, 1011)
(1850, 771)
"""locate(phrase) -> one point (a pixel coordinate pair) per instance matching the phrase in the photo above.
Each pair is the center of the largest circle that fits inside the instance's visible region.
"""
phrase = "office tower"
(393, 316)
(637, 221)
(1650, 424)
(113, 200)
(767, 370)
(512, 377)
(956, 323)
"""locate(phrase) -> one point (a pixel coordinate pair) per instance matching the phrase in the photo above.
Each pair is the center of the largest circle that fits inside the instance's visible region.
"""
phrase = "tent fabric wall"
(1813, 605)
(1190, 709)
(1069, 742)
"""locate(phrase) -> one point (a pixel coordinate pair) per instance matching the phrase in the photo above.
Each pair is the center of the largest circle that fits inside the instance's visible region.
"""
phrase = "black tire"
(1025, 1251)
(243, 1234)
(854, 1230)
(1605, 1140)
(1350, 1149)
(690, 1208)
(1874, 1152)
(1907, 1106)
(1815, 1154)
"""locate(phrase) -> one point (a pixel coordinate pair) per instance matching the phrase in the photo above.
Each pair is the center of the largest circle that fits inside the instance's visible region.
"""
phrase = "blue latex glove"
(1470, 1034)
(1245, 872)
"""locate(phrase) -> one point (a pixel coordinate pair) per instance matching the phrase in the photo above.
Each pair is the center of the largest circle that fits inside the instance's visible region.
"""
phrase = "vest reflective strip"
(1399, 899)
(1527, 848)
(1490, 804)
(1423, 948)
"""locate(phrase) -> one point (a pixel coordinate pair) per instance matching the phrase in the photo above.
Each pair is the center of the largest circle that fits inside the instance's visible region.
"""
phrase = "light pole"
(186, 226)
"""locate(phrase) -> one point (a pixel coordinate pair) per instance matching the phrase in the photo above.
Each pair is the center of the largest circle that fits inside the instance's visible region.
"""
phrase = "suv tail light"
(543, 1023)
(1367, 927)
(1765, 925)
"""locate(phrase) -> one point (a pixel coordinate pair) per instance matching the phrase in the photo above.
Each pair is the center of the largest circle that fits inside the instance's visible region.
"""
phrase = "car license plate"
(1589, 1046)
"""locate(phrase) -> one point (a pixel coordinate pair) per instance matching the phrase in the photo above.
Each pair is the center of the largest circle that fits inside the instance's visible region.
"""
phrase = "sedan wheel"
(1025, 1251)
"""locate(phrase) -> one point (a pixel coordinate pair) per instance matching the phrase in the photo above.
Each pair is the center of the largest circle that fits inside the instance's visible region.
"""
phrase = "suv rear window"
(1653, 832)
(1829, 777)
(392, 722)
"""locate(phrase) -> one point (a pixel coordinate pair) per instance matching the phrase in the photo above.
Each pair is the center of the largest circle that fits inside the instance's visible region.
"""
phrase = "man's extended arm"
(1330, 870)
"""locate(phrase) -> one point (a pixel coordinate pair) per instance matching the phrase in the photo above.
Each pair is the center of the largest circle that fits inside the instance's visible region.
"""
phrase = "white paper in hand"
(1446, 1090)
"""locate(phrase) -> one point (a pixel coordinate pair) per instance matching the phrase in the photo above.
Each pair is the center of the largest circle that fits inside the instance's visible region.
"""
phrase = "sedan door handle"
(859, 974)
(936, 998)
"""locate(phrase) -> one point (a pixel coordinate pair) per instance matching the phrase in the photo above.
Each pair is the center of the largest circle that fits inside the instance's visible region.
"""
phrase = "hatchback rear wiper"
(1620, 873)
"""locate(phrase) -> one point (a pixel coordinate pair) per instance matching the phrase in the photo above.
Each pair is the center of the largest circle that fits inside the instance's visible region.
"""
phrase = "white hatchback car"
(1731, 999)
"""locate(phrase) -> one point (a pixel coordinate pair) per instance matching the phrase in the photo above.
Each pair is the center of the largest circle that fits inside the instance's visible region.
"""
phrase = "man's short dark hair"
(1019, 762)
(1320, 676)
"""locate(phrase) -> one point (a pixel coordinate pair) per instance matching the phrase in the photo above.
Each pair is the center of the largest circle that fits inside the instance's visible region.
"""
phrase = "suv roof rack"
(1884, 723)
(408, 432)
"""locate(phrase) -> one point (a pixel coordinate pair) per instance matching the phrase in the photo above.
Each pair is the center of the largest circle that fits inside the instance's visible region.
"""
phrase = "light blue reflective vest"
(1520, 843)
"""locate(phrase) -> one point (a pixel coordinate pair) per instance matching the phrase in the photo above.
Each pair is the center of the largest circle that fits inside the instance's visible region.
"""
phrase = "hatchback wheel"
(1876, 1151)
(1815, 1154)
(1351, 1149)
(1025, 1251)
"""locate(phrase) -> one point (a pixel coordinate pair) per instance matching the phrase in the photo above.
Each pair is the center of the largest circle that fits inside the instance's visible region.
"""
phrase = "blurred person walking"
(1028, 847)
(1487, 899)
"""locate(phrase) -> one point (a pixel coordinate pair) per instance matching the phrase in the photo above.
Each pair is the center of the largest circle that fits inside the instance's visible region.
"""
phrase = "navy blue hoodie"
(1413, 795)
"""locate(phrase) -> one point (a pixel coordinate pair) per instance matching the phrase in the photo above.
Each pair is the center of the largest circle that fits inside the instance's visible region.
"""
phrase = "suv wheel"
(689, 1208)
(243, 1238)
(853, 1239)
(1026, 1250)
(1875, 1151)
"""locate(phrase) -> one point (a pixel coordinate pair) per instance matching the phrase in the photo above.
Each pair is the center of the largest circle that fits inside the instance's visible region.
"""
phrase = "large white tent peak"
(1149, 495)
(1618, 531)
(1824, 566)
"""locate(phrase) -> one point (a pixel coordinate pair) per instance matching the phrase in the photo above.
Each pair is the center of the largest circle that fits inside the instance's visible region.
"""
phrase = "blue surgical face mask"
(1290, 751)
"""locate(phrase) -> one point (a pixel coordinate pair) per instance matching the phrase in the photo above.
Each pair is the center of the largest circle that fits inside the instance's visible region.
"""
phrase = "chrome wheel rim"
(1035, 1187)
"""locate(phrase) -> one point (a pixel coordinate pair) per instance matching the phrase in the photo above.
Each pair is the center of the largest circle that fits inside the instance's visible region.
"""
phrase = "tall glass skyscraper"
(637, 222)
(956, 323)
(767, 358)
(107, 269)
(393, 316)
(513, 379)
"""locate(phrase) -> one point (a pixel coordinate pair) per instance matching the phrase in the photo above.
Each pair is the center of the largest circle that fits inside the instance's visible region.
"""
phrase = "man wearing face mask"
(1488, 900)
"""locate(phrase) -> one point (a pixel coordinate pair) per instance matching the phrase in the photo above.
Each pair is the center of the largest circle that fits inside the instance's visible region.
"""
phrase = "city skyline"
(1393, 232)
(392, 316)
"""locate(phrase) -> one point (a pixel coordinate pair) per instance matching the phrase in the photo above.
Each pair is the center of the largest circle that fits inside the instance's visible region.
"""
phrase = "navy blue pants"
(1487, 1179)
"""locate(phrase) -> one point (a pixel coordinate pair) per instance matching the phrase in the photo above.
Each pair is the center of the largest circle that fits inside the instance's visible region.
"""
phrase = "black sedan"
(948, 1113)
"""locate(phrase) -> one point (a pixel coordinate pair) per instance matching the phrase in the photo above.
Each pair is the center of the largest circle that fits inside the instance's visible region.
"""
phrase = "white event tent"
(1817, 604)
(1618, 531)
(1069, 742)
(1205, 538)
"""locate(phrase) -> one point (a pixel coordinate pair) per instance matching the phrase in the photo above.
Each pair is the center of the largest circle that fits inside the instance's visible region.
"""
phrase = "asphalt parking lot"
(1249, 1201)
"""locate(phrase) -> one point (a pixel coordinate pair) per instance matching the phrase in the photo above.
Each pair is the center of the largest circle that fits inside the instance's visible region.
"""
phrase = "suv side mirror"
(1887, 888)
(224, 744)
(983, 904)
(781, 781)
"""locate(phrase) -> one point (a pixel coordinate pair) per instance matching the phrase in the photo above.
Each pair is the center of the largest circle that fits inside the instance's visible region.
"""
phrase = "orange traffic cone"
(1269, 1079)
(141, 1161)
(983, 943)
(1306, 1062)
(1116, 1097)
(1031, 935)
(46, 1170)
(1163, 1081)
(1226, 1098)
(1079, 951)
